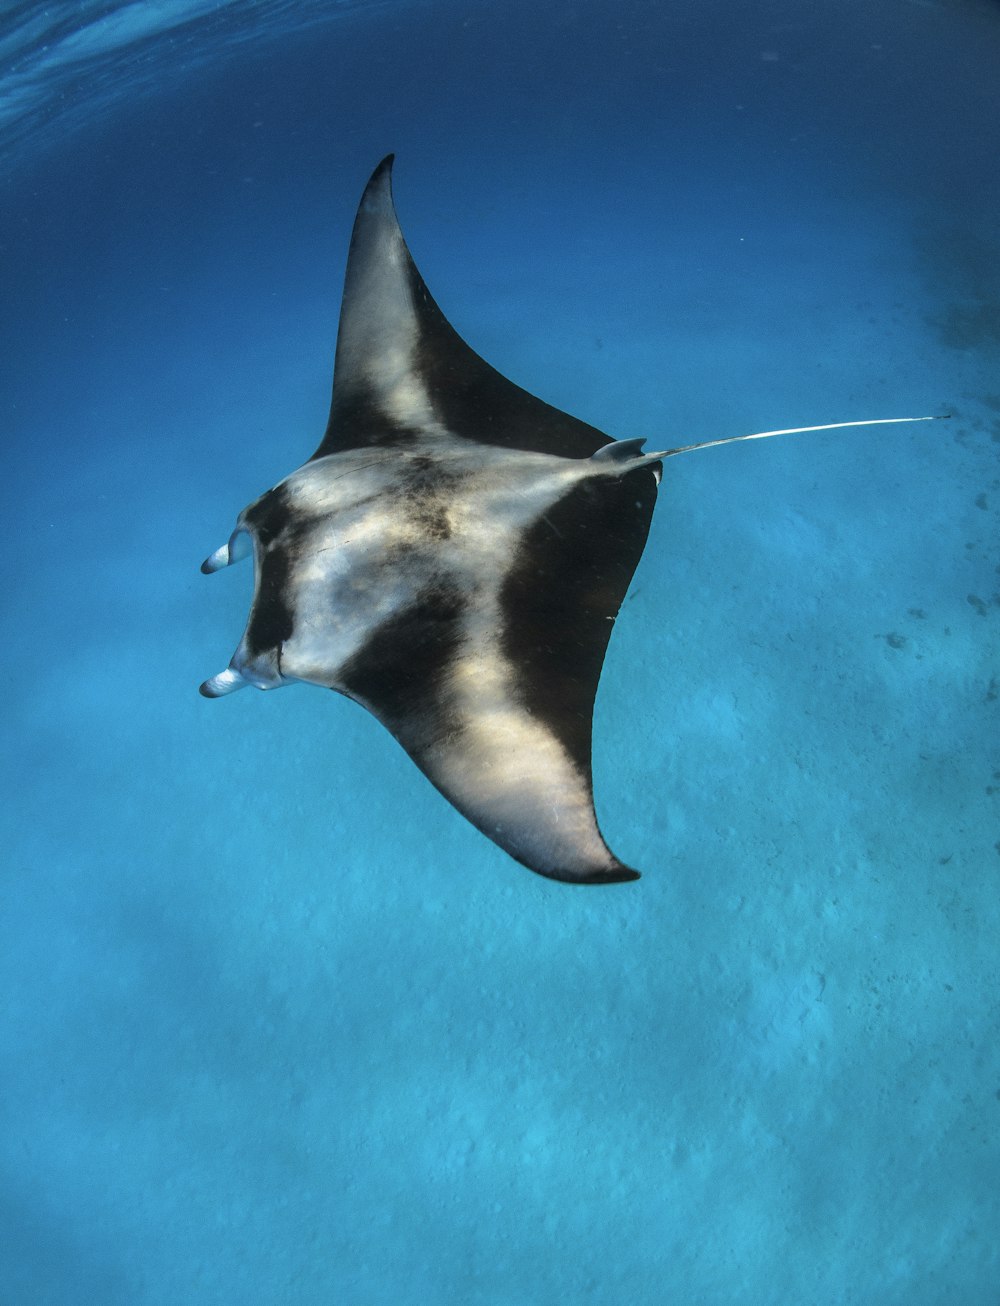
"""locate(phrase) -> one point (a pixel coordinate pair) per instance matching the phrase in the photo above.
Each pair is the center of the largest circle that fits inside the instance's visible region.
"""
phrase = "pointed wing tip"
(616, 874)
(382, 176)
(620, 875)
(377, 197)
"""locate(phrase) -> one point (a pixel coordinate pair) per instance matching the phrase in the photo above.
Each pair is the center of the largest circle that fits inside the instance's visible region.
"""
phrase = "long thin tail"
(789, 430)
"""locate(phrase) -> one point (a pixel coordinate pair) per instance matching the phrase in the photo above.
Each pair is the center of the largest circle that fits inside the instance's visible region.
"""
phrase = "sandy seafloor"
(277, 1025)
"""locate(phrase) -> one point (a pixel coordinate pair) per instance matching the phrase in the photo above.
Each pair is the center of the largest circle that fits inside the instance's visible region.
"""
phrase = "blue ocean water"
(276, 1024)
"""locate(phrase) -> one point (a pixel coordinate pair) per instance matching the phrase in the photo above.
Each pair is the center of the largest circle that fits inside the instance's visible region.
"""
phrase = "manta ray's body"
(452, 557)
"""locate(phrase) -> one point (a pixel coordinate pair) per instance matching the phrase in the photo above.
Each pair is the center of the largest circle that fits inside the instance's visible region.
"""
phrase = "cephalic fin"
(236, 548)
(226, 682)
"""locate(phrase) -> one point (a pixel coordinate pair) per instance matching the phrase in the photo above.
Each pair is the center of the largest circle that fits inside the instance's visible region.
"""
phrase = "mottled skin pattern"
(452, 558)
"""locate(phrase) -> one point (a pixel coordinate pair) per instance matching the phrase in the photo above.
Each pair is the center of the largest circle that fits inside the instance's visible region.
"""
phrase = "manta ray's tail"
(626, 455)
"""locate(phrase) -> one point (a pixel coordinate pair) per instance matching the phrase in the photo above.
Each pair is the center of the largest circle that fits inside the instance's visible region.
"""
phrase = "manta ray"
(452, 557)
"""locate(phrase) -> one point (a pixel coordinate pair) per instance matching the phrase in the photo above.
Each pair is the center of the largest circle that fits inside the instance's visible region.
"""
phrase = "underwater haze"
(277, 1025)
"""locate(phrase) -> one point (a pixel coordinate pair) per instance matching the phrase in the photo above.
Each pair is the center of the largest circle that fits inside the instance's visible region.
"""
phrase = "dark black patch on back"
(277, 528)
(475, 401)
(426, 494)
(471, 398)
(567, 582)
(361, 422)
(400, 670)
(271, 622)
(432, 519)
(271, 515)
